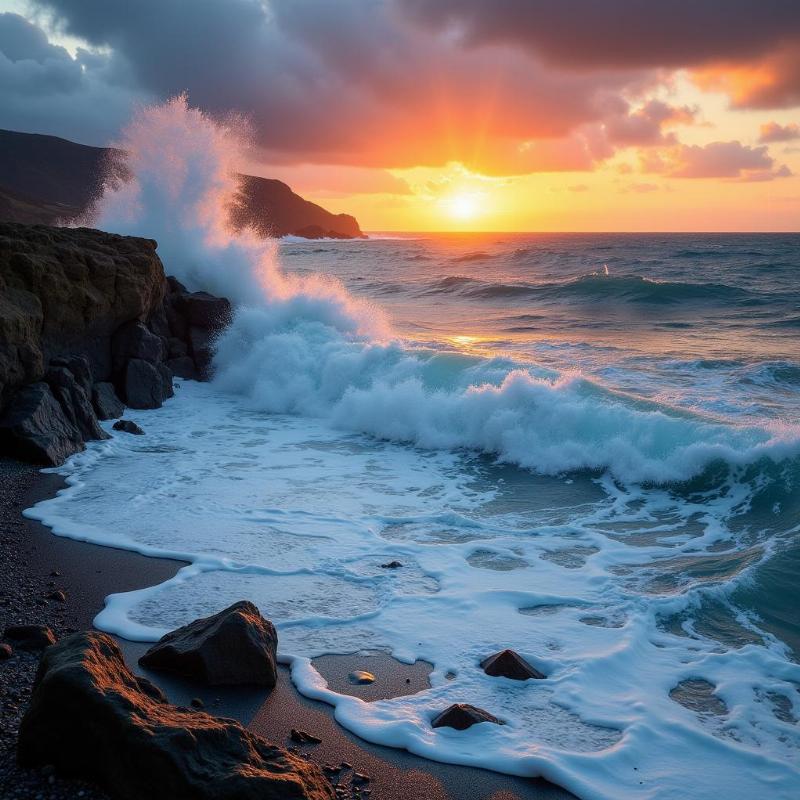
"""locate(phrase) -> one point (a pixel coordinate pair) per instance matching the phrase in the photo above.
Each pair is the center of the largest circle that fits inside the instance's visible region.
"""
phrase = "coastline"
(88, 573)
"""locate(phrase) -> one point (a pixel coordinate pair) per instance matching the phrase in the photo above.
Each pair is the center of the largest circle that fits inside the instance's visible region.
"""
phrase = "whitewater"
(583, 448)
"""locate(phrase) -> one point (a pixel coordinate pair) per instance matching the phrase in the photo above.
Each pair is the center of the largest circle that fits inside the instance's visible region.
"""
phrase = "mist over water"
(581, 447)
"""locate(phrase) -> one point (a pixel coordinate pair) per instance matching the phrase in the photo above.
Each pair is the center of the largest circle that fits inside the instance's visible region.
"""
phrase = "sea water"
(581, 447)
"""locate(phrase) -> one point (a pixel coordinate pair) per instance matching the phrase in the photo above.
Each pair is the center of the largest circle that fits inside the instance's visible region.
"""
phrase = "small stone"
(360, 778)
(462, 716)
(392, 565)
(196, 702)
(508, 664)
(55, 574)
(128, 426)
(361, 677)
(57, 595)
(345, 765)
(302, 737)
(6, 651)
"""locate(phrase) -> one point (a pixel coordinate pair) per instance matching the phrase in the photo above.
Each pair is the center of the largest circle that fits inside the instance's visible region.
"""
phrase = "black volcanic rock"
(508, 664)
(144, 384)
(29, 637)
(75, 403)
(34, 428)
(80, 367)
(134, 340)
(462, 716)
(105, 401)
(235, 646)
(128, 426)
(91, 717)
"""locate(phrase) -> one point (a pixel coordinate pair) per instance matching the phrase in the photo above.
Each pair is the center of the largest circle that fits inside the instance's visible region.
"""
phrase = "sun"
(463, 206)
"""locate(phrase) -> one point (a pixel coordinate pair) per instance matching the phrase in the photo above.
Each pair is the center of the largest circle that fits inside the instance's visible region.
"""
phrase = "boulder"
(35, 428)
(134, 340)
(508, 664)
(6, 651)
(203, 310)
(90, 717)
(128, 426)
(105, 401)
(75, 403)
(462, 716)
(81, 369)
(145, 384)
(29, 637)
(183, 367)
(235, 646)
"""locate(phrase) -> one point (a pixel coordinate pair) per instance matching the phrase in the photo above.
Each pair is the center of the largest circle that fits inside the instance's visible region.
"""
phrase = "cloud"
(646, 125)
(774, 132)
(622, 34)
(353, 82)
(715, 160)
(505, 88)
(46, 90)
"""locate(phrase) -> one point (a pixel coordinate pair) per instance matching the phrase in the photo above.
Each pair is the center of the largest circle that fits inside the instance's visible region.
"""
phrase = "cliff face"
(89, 321)
(47, 180)
(67, 290)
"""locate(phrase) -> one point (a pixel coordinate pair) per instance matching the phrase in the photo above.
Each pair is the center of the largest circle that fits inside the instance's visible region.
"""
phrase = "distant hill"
(47, 180)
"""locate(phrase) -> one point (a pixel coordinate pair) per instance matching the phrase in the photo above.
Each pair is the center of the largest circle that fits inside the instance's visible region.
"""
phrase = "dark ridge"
(45, 180)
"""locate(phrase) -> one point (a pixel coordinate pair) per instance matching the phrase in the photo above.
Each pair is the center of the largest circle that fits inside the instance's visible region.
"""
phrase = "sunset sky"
(450, 114)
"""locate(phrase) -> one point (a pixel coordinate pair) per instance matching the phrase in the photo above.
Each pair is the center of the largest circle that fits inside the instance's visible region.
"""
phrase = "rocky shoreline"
(89, 324)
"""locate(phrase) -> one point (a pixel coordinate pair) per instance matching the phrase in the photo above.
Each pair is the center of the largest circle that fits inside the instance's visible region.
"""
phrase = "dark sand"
(88, 573)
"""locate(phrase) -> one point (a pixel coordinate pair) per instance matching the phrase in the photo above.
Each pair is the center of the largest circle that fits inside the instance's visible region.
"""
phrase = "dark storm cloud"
(621, 33)
(46, 90)
(355, 82)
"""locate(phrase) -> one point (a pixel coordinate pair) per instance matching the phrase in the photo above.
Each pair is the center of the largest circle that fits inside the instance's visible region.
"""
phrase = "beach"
(89, 572)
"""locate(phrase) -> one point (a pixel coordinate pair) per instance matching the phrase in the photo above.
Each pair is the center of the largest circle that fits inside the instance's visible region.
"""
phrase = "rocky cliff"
(47, 180)
(88, 321)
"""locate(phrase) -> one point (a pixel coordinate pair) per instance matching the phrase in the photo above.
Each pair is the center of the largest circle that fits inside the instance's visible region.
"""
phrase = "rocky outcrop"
(510, 664)
(89, 321)
(35, 429)
(462, 716)
(273, 209)
(91, 717)
(235, 646)
(105, 401)
(66, 291)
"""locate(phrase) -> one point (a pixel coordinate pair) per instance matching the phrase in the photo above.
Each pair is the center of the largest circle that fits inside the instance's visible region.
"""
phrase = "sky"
(514, 115)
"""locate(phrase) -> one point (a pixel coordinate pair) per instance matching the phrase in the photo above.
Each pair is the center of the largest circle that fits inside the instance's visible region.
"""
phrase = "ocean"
(583, 447)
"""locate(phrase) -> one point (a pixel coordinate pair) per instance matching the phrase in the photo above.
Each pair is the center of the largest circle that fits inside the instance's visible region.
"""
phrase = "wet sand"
(88, 573)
